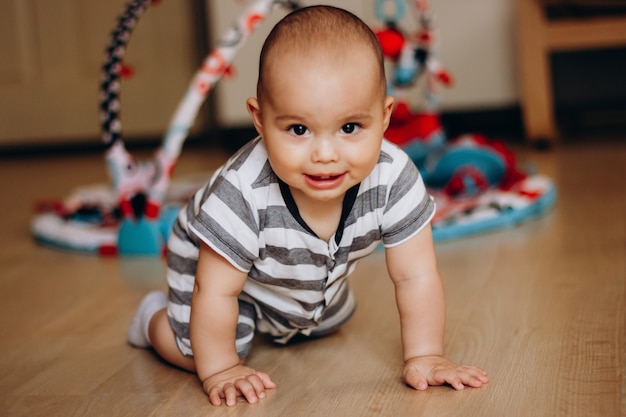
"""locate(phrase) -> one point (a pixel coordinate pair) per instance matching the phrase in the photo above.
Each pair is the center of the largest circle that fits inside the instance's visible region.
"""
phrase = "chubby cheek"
(364, 167)
(284, 162)
(364, 158)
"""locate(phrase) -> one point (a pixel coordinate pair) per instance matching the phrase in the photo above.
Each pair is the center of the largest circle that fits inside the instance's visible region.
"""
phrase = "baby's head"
(321, 103)
(321, 33)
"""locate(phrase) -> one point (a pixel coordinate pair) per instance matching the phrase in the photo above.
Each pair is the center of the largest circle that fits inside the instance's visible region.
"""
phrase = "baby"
(268, 244)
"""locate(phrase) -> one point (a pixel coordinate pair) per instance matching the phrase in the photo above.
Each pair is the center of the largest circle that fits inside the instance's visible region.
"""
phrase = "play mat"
(475, 180)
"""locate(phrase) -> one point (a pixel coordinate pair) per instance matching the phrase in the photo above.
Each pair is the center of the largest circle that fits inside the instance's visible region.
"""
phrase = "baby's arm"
(213, 328)
(420, 299)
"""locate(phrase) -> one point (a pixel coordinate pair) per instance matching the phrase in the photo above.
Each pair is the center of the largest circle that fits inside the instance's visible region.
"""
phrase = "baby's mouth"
(324, 177)
(324, 181)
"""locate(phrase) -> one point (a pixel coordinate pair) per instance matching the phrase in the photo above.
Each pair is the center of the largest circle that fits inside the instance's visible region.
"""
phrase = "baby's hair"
(319, 25)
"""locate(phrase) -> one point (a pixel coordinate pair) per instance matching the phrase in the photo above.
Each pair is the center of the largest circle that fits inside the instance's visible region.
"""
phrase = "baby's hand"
(422, 371)
(235, 382)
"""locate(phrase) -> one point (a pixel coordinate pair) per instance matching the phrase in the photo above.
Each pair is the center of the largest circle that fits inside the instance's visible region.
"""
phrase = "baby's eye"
(350, 128)
(298, 130)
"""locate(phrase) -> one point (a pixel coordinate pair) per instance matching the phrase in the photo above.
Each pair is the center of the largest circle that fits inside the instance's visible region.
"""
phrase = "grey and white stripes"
(297, 282)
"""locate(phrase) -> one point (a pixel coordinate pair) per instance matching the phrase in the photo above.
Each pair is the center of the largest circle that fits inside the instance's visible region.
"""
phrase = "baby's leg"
(164, 342)
(163, 339)
(138, 330)
(150, 327)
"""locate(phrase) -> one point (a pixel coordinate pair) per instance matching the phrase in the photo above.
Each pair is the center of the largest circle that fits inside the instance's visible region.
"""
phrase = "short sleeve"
(226, 221)
(409, 206)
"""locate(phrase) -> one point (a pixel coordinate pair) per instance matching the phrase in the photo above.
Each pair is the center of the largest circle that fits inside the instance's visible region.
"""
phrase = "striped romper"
(297, 283)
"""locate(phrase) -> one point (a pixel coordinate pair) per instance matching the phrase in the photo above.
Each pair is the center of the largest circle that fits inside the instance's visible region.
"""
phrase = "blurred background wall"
(476, 44)
(51, 52)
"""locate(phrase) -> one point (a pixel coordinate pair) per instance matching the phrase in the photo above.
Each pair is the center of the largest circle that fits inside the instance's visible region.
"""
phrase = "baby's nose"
(325, 150)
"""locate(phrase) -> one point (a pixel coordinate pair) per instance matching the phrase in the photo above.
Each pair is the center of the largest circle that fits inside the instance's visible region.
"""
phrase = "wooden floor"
(540, 306)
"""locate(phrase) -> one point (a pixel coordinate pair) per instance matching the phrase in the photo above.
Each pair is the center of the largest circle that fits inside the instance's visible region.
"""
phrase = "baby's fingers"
(266, 380)
(228, 393)
(231, 391)
(415, 379)
(215, 395)
(475, 377)
(251, 388)
(460, 377)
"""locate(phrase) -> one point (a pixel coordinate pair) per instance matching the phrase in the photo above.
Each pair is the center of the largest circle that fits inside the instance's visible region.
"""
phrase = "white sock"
(138, 335)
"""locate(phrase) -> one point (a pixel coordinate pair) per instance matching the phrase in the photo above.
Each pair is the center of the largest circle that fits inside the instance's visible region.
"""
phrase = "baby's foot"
(138, 335)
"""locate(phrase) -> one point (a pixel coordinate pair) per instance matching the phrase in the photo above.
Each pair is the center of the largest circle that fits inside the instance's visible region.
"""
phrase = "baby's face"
(322, 121)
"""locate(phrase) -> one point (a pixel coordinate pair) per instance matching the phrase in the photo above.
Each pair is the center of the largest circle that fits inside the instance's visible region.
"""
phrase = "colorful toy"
(138, 221)
(475, 181)
(414, 58)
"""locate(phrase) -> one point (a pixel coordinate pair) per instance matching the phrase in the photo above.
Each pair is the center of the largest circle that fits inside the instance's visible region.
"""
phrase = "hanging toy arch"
(136, 216)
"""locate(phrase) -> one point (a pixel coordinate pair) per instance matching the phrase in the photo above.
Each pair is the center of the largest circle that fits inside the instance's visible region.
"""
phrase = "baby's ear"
(254, 110)
(387, 110)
